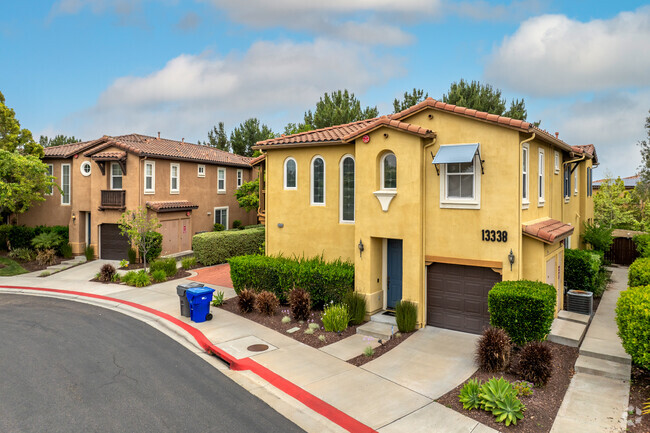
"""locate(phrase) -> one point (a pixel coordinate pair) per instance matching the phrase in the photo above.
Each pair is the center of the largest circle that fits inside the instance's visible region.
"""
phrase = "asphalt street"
(72, 367)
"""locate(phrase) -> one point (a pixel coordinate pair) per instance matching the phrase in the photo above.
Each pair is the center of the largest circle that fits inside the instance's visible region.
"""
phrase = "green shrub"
(62, 231)
(218, 227)
(46, 240)
(217, 247)
(406, 316)
(469, 394)
(128, 277)
(22, 254)
(168, 266)
(581, 268)
(218, 299)
(642, 243)
(66, 250)
(336, 317)
(154, 240)
(132, 254)
(20, 237)
(499, 397)
(639, 273)
(141, 279)
(188, 262)
(368, 351)
(158, 276)
(124, 263)
(4, 236)
(633, 320)
(325, 281)
(89, 253)
(600, 238)
(524, 309)
(356, 306)
(236, 224)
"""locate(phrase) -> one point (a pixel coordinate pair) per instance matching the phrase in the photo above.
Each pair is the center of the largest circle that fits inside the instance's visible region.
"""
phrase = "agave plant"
(469, 395)
(509, 409)
(494, 390)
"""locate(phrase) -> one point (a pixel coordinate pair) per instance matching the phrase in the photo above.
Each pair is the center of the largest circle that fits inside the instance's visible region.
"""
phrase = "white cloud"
(191, 93)
(482, 10)
(554, 55)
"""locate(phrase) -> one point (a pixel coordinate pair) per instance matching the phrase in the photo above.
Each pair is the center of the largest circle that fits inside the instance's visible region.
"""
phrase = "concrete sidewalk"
(391, 394)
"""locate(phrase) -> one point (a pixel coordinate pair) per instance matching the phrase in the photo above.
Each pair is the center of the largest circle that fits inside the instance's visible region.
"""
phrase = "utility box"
(580, 301)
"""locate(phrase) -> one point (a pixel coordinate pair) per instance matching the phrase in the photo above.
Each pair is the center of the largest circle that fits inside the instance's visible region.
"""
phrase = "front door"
(393, 273)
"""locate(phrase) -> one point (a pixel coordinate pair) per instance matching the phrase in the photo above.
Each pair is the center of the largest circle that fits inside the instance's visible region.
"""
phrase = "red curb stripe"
(311, 401)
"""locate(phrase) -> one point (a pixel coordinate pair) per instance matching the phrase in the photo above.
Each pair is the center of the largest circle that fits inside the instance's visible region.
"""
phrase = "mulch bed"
(275, 322)
(541, 407)
(32, 265)
(181, 273)
(639, 394)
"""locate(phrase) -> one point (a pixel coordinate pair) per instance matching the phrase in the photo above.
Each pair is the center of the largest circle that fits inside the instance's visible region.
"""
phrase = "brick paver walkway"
(218, 275)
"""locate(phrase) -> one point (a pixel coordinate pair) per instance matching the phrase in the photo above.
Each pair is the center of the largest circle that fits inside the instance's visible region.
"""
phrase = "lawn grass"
(11, 268)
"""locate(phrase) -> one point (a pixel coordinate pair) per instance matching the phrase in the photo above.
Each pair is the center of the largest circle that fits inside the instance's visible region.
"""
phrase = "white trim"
(177, 190)
(50, 171)
(384, 272)
(289, 158)
(354, 190)
(199, 172)
(240, 178)
(214, 215)
(151, 190)
(525, 184)
(381, 169)
(575, 180)
(557, 162)
(221, 190)
(541, 178)
(461, 203)
(63, 195)
(311, 186)
(85, 164)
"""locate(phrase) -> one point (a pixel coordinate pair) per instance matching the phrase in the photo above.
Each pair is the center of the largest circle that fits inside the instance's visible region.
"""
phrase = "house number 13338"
(494, 235)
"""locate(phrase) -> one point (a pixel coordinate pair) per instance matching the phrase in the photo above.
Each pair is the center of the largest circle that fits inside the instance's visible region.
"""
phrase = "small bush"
(639, 273)
(286, 319)
(633, 320)
(44, 274)
(89, 252)
(218, 227)
(499, 397)
(493, 350)
(132, 255)
(106, 273)
(300, 304)
(406, 316)
(124, 263)
(536, 362)
(22, 254)
(267, 303)
(158, 276)
(218, 299)
(116, 278)
(141, 279)
(66, 250)
(356, 306)
(217, 247)
(368, 351)
(236, 224)
(600, 238)
(128, 277)
(336, 318)
(469, 394)
(167, 265)
(188, 262)
(642, 243)
(247, 300)
(524, 309)
(581, 269)
(523, 388)
(47, 240)
(154, 240)
(46, 257)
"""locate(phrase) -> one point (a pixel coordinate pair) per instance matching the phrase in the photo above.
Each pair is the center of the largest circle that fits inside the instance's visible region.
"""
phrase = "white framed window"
(541, 187)
(557, 162)
(240, 177)
(290, 173)
(174, 178)
(388, 167)
(575, 182)
(201, 170)
(346, 203)
(85, 168)
(221, 180)
(567, 242)
(149, 177)
(317, 195)
(116, 176)
(221, 216)
(65, 184)
(525, 176)
(590, 185)
(50, 172)
(567, 183)
(460, 185)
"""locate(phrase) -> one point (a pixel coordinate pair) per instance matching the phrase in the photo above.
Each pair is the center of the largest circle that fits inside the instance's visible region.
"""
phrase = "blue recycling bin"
(199, 299)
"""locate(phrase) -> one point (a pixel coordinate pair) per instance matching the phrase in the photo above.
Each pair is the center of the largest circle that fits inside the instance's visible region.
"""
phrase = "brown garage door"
(457, 296)
(114, 246)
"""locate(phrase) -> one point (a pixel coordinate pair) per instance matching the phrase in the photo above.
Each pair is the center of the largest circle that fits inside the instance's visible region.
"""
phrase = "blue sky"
(93, 67)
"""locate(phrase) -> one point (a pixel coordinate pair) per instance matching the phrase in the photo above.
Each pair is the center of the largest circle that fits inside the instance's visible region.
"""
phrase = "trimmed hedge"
(325, 282)
(639, 273)
(524, 309)
(581, 268)
(217, 247)
(633, 320)
(21, 236)
(642, 243)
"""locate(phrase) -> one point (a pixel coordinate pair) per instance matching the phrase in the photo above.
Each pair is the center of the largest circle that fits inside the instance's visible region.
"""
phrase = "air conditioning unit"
(580, 301)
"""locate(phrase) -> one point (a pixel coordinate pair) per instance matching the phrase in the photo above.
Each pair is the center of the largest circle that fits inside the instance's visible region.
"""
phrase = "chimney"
(183, 140)
(158, 135)
(557, 135)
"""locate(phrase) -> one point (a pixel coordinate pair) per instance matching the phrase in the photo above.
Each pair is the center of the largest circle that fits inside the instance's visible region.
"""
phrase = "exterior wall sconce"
(74, 217)
(511, 258)
(361, 248)
(280, 225)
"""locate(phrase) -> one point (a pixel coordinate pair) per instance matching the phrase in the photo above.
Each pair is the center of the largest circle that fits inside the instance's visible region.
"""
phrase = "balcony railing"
(113, 200)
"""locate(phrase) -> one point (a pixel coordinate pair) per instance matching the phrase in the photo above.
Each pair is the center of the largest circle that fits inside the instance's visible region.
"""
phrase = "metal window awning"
(456, 153)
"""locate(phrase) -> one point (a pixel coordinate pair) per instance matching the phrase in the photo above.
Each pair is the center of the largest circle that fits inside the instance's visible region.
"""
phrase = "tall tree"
(247, 134)
(218, 138)
(644, 168)
(296, 128)
(410, 99)
(247, 195)
(58, 140)
(612, 205)
(337, 108)
(12, 137)
(136, 224)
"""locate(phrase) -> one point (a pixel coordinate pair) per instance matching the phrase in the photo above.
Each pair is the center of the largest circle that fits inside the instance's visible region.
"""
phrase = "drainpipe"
(423, 204)
(519, 235)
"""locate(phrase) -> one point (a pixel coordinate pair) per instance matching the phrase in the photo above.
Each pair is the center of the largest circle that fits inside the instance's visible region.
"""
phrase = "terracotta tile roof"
(68, 150)
(395, 124)
(257, 160)
(547, 230)
(332, 134)
(171, 206)
(589, 149)
(629, 182)
(109, 155)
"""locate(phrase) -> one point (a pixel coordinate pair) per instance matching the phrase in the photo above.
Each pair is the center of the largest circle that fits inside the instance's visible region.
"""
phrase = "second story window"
(240, 177)
(290, 173)
(221, 180)
(318, 181)
(389, 171)
(174, 178)
(50, 171)
(149, 177)
(201, 170)
(575, 182)
(540, 174)
(589, 182)
(567, 182)
(347, 189)
(65, 183)
(524, 175)
(116, 176)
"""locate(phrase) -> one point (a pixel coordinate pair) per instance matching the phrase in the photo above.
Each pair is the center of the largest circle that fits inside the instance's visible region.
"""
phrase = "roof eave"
(293, 145)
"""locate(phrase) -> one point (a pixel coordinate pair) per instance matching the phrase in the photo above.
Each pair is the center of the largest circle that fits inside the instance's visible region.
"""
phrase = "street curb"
(311, 401)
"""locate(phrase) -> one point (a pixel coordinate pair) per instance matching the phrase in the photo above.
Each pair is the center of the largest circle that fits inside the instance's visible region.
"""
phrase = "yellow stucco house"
(434, 205)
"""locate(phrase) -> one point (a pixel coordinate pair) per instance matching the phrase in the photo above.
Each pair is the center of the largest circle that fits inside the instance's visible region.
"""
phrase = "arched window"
(347, 189)
(318, 181)
(389, 171)
(290, 173)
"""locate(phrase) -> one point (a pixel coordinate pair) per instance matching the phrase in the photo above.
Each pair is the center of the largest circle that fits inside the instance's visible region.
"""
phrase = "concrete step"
(378, 330)
(574, 317)
(567, 332)
(602, 367)
(382, 317)
(604, 349)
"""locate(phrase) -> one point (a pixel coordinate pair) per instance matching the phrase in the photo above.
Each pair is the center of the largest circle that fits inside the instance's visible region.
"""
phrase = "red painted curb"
(311, 401)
